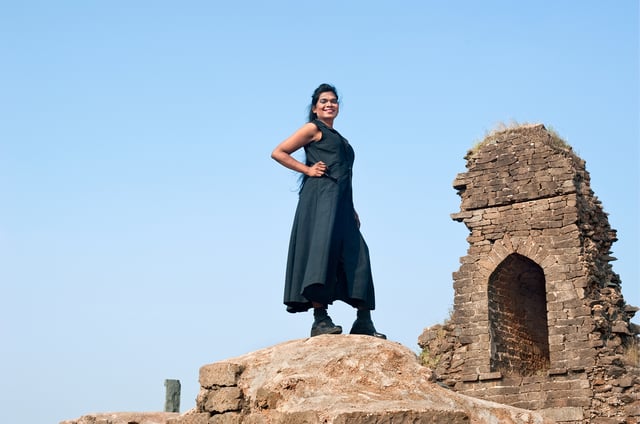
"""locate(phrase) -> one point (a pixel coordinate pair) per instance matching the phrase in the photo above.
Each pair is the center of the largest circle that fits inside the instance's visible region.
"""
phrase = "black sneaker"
(324, 326)
(361, 326)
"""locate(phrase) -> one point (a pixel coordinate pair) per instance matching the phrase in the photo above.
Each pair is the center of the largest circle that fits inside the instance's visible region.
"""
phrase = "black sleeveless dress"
(328, 258)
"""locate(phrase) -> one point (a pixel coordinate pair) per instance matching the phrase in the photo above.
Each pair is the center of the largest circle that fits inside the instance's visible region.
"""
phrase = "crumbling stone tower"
(539, 320)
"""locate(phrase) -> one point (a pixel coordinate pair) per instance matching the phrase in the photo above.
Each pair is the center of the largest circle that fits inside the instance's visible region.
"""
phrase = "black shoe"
(365, 326)
(324, 325)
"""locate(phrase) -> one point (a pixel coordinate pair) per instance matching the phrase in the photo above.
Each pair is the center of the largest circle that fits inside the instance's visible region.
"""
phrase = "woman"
(328, 258)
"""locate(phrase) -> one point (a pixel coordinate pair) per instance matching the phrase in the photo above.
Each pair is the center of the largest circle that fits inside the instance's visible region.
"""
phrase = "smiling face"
(327, 106)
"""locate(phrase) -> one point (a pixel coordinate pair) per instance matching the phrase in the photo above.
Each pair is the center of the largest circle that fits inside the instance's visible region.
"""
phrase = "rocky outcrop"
(335, 379)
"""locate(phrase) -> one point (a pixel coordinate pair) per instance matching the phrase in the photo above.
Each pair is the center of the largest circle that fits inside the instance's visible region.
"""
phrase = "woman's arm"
(308, 133)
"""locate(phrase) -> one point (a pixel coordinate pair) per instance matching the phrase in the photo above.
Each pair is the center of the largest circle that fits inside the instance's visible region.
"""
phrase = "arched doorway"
(518, 317)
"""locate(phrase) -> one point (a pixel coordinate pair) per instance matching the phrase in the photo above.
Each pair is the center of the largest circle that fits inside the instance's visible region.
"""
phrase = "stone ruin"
(539, 321)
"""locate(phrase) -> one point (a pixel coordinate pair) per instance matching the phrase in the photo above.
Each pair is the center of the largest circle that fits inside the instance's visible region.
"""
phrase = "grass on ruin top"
(491, 136)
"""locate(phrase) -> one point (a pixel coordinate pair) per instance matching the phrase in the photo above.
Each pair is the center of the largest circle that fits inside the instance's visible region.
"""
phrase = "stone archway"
(518, 328)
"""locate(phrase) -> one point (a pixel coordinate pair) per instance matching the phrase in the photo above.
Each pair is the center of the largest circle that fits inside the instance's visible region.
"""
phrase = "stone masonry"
(539, 320)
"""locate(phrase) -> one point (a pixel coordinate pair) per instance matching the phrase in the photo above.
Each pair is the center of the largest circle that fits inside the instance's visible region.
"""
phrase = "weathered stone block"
(490, 376)
(557, 315)
(469, 377)
(586, 360)
(557, 339)
(606, 420)
(625, 381)
(556, 385)
(505, 390)
(531, 405)
(261, 419)
(556, 330)
(582, 383)
(191, 418)
(579, 346)
(584, 335)
(572, 397)
(227, 418)
(219, 374)
(620, 327)
(224, 399)
(435, 417)
(564, 414)
(633, 410)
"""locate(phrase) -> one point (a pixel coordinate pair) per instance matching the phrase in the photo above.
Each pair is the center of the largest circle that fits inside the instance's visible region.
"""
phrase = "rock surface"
(124, 418)
(336, 379)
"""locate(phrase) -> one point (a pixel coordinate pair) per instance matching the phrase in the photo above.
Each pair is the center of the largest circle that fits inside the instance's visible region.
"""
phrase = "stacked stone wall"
(539, 320)
(220, 400)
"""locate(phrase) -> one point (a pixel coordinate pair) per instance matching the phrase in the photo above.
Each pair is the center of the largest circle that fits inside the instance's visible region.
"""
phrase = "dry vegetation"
(492, 136)
(632, 353)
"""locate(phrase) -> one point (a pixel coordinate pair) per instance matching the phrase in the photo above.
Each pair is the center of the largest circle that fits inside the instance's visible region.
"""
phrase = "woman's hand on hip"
(317, 169)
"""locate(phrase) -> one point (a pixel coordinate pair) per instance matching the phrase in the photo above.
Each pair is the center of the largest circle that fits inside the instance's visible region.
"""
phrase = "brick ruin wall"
(539, 320)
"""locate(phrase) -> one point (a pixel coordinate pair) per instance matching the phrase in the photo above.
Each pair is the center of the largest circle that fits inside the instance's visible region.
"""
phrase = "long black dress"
(328, 258)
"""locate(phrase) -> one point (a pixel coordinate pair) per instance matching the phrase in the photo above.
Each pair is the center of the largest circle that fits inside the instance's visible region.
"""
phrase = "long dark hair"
(322, 88)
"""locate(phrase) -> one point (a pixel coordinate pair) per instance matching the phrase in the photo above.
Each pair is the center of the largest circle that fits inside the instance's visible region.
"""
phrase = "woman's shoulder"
(315, 128)
(314, 125)
(309, 129)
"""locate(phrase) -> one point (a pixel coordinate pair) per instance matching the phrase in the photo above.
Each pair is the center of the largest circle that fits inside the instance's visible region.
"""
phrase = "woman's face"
(327, 106)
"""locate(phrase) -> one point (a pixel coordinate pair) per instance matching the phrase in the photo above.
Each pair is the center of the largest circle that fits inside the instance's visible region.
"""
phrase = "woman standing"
(328, 258)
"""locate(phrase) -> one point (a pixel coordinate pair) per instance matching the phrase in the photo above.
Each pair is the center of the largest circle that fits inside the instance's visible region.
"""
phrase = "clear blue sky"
(144, 228)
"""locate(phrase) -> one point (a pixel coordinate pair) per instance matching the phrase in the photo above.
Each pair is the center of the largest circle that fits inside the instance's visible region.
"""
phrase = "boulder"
(336, 379)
